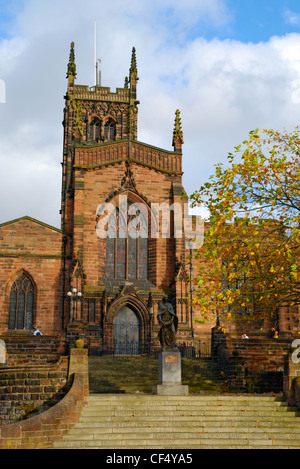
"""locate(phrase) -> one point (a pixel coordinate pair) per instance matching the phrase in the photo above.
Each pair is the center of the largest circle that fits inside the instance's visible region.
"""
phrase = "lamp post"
(65, 241)
(190, 244)
(217, 313)
(76, 295)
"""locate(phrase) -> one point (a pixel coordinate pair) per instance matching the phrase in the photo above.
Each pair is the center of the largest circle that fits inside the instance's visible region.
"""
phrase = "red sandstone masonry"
(155, 186)
(250, 359)
(32, 247)
(46, 277)
(26, 235)
(146, 154)
(42, 430)
(291, 383)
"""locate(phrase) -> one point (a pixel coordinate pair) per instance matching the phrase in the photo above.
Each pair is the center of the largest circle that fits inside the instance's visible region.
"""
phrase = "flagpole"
(95, 53)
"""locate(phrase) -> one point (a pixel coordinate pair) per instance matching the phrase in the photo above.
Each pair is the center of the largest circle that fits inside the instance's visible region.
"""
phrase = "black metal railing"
(199, 349)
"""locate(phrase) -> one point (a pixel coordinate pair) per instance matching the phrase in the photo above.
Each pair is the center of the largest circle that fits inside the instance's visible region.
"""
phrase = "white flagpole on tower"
(95, 53)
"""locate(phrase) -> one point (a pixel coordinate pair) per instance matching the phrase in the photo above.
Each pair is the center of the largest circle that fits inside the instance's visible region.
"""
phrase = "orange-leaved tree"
(250, 259)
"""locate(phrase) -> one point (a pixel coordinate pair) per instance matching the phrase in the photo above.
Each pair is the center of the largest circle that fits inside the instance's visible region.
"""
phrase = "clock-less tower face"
(93, 117)
(104, 163)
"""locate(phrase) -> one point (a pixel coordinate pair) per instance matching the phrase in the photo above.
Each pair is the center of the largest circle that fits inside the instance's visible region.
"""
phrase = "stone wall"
(34, 249)
(254, 365)
(43, 429)
(291, 382)
(27, 390)
(27, 349)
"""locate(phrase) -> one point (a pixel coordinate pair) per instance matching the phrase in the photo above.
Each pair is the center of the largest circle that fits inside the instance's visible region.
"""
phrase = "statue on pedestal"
(168, 324)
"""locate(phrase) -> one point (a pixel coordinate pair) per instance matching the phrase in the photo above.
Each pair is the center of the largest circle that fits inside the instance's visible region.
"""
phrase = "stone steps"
(131, 374)
(187, 422)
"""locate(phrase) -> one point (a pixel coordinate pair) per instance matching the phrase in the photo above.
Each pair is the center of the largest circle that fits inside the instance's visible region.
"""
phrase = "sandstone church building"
(69, 281)
(119, 280)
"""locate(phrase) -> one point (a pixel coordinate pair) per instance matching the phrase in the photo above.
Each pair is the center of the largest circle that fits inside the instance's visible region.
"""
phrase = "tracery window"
(94, 130)
(110, 130)
(21, 304)
(127, 246)
(241, 283)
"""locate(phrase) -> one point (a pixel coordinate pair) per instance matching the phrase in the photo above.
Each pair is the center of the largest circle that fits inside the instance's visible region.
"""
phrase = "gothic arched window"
(127, 245)
(110, 130)
(94, 130)
(21, 304)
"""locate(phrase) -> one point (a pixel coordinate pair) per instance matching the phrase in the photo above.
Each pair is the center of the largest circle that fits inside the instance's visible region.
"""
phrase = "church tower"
(114, 182)
(92, 117)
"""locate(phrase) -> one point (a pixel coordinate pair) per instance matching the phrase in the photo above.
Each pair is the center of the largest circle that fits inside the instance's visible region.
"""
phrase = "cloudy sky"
(229, 65)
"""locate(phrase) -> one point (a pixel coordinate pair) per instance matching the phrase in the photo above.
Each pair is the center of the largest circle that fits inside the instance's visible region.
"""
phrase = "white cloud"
(10, 50)
(224, 89)
(2, 91)
(291, 17)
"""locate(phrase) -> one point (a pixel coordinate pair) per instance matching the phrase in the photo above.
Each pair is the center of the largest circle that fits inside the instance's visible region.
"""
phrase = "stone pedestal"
(169, 374)
(2, 352)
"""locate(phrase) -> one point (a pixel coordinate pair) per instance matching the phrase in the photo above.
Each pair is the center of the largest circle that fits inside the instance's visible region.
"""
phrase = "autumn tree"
(250, 260)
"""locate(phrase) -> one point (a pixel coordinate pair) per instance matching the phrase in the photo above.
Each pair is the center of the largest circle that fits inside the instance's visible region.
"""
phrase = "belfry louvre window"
(21, 304)
(110, 130)
(126, 247)
(94, 130)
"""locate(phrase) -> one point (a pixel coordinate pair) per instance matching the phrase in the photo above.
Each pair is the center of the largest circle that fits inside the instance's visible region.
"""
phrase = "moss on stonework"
(133, 160)
(30, 255)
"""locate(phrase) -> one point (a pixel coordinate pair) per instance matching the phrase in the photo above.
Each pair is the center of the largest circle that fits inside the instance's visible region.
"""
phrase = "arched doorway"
(126, 332)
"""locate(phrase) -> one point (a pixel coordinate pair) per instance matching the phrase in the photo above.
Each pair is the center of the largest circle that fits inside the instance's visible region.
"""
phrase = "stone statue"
(168, 324)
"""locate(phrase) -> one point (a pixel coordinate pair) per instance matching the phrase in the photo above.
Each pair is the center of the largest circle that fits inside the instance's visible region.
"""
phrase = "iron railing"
(199, 349)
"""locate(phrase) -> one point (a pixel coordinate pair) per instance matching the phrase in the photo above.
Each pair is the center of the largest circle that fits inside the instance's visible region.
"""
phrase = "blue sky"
(243, 20)
(8, 12)
(252, 21)
(255, 21)
(228, 65)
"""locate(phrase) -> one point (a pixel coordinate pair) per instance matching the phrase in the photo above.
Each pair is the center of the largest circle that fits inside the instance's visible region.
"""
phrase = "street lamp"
(76, 295)
(217, 313)
(190, 245)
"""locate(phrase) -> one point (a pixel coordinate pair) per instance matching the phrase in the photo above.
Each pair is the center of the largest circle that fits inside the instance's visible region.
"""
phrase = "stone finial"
(177, 133)
(71, 65)
(133, 109)
(133, 67)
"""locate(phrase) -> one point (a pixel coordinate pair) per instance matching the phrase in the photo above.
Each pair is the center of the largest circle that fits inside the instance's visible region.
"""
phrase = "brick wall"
(28, 350)
(30, 389)
(96, 186)
(291, 382)
(43, 429)
(33, 248)
(254, 365)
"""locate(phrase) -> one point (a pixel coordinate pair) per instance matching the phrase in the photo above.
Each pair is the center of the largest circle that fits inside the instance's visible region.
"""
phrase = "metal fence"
(199, 349)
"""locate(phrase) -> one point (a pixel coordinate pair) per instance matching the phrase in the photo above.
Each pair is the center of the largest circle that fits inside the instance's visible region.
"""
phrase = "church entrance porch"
(114, 319)
(126, 332)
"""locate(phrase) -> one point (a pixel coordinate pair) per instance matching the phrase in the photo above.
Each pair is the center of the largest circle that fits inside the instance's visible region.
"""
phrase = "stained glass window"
(92, 316)
(127, 246)
(21, 304)
(143, 255)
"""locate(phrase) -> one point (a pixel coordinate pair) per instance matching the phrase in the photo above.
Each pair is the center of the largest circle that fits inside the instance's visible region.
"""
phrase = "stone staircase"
(123, 414)
(138, 374)
(228, 421)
